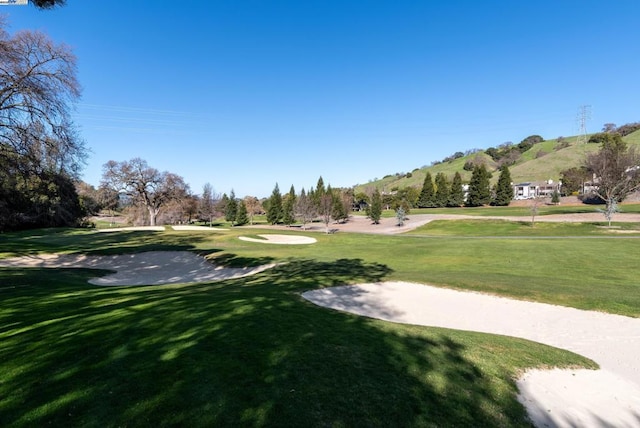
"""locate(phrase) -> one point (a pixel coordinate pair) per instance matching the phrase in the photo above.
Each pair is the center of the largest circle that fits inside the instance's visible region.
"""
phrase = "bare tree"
(616, 169)
(146, 186)
(208, 201)
(254, 207)
(325, 207)
(38, 86)
(534, 208)
(305, 209)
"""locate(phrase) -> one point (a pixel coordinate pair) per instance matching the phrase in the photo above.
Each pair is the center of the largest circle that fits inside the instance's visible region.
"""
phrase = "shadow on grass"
(83, 241)
(235, 261)
(247, 352)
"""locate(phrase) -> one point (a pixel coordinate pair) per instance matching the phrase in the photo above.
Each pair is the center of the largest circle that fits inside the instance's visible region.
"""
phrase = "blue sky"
(244, 94)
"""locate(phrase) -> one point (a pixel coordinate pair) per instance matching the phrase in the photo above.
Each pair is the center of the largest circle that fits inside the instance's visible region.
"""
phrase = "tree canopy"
(503, 190)
(146, 186)
(616, 168)
(41, 153)
(479, 190)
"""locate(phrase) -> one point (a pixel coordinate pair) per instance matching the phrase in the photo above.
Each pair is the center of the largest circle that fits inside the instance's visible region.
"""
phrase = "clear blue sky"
(244, 94)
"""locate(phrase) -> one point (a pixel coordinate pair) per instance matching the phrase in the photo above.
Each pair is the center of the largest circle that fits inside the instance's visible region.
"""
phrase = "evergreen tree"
(479, 187)
(274, 210)
(242, 218)
(503, 189)
(442, 190)
(375, 208)
(456, 192)
(318, 193)
(288, 214)
(427, 195)
(221, 206)
(339, 212)
(231, 210)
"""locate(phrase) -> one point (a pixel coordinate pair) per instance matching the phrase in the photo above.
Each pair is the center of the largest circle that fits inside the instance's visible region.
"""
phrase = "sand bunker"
(134, 228)
(198, 228)
(150, 268)
(281, 239)
(562, 398)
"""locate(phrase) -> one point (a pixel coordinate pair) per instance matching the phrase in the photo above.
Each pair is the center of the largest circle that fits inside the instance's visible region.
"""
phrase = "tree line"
(42, 154)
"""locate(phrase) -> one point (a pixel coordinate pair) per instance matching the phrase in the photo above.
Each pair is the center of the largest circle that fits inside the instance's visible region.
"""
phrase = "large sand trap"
(281, 239)
(150, 268)
(562, 398)
(198, 228)
(134, 228)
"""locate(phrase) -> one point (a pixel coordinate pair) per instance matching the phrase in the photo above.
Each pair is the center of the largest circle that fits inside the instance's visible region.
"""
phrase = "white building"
(535, 189)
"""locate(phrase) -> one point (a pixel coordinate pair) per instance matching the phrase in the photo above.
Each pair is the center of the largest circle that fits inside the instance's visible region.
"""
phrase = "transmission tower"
(584, 114)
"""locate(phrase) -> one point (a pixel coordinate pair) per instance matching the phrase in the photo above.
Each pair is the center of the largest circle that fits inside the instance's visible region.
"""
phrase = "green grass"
(516, 211)
(507, 228)
(252, 352)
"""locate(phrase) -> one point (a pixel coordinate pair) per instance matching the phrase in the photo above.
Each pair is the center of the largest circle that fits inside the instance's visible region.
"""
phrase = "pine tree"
(318, 193)
(288, 204)
(503, 189)
(427, 195)
(231, 209)
(456, 192)
(442, 190)
(242, 218)
(479, 187)
(274, 210)
(375, 208)
(339, 213)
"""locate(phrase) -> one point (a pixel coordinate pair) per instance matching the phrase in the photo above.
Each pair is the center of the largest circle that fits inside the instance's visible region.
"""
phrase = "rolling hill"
(543, 161)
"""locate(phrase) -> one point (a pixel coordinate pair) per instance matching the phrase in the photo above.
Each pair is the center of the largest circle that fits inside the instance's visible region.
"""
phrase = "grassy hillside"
(543, 161)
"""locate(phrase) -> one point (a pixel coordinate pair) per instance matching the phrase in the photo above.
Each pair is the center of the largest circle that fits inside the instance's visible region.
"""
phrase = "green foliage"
(468, 165)
(479, 188)
(456, 192)
(242, 217)
(32, 200)
(441, 196)
(375, 207)
(529, 142)
(427, 195)
(274, 207)
(599, 138)
(503, 190)
(231, 209)
(288, 205)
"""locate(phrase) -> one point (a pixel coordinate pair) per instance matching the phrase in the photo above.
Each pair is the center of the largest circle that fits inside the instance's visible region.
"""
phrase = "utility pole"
(584, 114)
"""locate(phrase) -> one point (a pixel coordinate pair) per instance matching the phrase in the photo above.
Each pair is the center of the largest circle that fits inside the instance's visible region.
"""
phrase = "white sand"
(198, 228)
(281, 239)
(134, 228)
(150, 268)
(562, 398)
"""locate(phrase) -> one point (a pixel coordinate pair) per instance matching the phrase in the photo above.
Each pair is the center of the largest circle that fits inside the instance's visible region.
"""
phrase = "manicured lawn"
(517, 211)
(253, 352)
(507, 228)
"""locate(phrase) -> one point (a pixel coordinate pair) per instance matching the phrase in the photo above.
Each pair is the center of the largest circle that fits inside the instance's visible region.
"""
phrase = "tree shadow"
(247, 352)
(81, 241)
